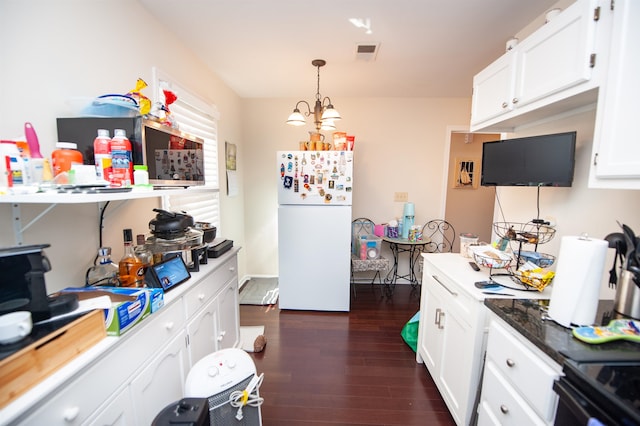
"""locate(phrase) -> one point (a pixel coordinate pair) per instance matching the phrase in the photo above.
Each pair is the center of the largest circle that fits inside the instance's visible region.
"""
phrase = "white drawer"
(526, 370)
(501, 404)
(209, 286)
(458, 302)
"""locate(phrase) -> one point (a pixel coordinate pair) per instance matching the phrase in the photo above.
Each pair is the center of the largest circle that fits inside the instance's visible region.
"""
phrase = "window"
(198, 118)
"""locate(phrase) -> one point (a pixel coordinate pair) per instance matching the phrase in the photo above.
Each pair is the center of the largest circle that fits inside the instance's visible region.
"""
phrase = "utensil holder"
(627, 300)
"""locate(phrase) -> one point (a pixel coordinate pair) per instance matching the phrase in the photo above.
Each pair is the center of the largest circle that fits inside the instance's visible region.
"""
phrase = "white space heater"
(227, 378)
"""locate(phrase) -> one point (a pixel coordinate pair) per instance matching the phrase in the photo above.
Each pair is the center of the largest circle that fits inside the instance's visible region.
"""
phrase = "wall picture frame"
(466, 173)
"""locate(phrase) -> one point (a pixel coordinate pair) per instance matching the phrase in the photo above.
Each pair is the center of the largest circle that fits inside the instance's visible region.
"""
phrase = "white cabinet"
(134, 376)
(616, 152)
(517, 382)
(229, 316)
(161, 380)
(546, 73)
(117, 411)
(451, 334)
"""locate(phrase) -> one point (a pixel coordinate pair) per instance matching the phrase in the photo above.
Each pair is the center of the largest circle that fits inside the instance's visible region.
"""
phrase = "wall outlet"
(401, 197)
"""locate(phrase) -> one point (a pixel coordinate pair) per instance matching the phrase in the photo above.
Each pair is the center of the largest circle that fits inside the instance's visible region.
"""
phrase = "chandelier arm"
(308, 112)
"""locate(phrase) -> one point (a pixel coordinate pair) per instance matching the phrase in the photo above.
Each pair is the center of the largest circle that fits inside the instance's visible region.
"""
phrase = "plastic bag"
(409, 332)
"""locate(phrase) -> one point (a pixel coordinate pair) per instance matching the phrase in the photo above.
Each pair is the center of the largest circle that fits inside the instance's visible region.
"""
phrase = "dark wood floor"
(353, 368)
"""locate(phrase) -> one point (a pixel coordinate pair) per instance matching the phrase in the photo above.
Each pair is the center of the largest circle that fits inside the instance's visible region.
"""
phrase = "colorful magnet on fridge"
(296, 185)
(306, 178)
(288, 180)
(282, 170)
(289, 166)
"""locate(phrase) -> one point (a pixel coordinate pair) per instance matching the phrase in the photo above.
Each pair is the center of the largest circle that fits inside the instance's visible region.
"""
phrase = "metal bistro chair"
(441, 236)
(364, 227)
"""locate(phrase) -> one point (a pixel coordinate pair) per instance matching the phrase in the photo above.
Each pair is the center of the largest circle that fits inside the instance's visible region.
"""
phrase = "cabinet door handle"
(201, 297)
(70, 414)
(169, 325)
(453, 293)
(232, 269)
(504, 409)
(504, 105)
(515, 100)
(436, 320)
(510, 362)
(440, 323)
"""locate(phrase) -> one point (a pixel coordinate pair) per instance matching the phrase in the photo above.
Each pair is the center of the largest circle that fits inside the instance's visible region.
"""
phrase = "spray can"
(121, 159)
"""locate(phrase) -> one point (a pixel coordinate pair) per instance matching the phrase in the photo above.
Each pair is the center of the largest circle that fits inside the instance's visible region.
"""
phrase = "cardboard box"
(129, 306)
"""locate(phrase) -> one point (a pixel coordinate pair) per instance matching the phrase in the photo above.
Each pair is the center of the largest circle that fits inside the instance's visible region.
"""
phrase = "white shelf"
(52, 199)
(71, 198)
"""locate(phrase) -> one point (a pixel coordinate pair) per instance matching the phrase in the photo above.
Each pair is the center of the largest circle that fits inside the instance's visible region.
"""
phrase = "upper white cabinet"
(616, 146)
(549, 72)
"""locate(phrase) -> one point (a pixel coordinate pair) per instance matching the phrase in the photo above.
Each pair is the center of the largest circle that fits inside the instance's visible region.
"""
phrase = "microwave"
(172, 157)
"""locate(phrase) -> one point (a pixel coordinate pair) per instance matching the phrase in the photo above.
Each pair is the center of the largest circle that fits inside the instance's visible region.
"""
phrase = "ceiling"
(426, 48)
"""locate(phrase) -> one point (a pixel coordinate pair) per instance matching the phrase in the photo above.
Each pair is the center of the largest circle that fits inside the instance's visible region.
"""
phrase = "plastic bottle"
(121, 159)
(102, 155)
(130, 268)
(64, 156)
(105, 272)
(140, 175)
(13, 163)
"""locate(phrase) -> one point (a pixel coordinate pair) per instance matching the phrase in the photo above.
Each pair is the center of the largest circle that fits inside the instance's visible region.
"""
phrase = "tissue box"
(129, 306)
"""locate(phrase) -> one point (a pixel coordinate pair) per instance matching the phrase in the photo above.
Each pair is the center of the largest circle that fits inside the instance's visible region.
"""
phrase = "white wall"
(578, 209)
(52, 51)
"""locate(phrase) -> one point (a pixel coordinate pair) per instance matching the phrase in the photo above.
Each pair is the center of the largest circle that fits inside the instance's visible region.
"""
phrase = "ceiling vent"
(367, 51)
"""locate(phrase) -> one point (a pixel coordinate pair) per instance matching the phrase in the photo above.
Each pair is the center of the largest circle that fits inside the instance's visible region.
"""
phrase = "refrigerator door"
(314, 256)
(315, 177)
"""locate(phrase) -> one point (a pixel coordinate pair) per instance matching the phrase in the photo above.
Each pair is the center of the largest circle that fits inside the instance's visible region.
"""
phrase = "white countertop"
(102, 348)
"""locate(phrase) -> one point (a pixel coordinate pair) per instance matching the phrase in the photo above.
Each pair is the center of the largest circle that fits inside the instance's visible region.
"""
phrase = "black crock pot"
(170, 225)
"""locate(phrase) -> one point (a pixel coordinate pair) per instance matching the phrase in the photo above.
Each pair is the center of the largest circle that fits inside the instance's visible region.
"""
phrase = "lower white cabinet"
(138, 374)
(161, 381)
(451, 333)
(517, 381)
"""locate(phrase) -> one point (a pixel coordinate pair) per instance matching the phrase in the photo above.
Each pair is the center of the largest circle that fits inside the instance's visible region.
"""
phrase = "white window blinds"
(198, 118)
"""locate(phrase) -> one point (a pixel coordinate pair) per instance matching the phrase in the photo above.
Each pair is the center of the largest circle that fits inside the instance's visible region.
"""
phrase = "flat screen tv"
(545, 160)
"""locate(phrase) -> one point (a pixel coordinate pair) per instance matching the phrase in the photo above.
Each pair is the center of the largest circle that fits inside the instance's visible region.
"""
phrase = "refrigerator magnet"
(288, 180)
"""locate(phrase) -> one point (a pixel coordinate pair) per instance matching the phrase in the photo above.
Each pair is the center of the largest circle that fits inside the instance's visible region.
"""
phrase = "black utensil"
(630, 239)
(616, 241)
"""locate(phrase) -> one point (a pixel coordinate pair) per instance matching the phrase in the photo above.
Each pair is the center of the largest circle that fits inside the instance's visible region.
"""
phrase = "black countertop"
(529, 317)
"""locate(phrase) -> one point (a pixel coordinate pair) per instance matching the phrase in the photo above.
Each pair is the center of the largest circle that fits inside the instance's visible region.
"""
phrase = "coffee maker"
(23, 287)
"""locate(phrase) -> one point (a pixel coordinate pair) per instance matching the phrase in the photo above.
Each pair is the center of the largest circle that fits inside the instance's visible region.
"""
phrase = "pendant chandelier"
(324, 114)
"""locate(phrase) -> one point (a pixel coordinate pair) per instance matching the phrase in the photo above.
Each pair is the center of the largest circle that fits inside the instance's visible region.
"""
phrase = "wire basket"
(489, 257)
(532, 233)
(537, 280)
(542, 260)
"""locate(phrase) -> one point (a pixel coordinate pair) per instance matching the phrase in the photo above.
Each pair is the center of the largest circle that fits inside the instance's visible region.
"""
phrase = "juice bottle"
(121, 159)
(102, 155)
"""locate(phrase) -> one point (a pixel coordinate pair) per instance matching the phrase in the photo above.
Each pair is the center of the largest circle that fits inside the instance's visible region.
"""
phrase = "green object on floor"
(409, 332)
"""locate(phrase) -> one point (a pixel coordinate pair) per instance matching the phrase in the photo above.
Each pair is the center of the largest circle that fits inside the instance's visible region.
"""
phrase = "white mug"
(15, 326)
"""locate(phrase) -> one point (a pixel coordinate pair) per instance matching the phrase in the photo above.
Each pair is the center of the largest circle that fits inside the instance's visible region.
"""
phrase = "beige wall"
(469, 210)
(400, 146)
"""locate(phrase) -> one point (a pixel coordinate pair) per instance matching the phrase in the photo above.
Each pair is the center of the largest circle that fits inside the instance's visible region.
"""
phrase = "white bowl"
(15, 326)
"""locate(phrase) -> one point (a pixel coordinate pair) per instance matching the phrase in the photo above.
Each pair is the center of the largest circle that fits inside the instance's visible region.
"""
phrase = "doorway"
(468, 205)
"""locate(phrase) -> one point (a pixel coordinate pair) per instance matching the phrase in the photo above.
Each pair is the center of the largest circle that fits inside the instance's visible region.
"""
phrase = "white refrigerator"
(314, 229)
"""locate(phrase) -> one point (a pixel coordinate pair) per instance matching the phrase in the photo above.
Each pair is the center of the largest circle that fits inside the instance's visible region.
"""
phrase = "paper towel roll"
(576, 286)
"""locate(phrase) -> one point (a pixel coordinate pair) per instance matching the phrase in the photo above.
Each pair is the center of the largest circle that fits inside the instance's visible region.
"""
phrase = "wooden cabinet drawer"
(526, 370)
(209, 287)
(501, 403)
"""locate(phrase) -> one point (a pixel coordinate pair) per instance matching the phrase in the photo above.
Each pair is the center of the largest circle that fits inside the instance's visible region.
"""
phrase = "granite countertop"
(529, 317)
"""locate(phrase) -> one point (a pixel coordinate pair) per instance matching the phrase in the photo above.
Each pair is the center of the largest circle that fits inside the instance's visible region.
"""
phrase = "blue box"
(129, 306)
